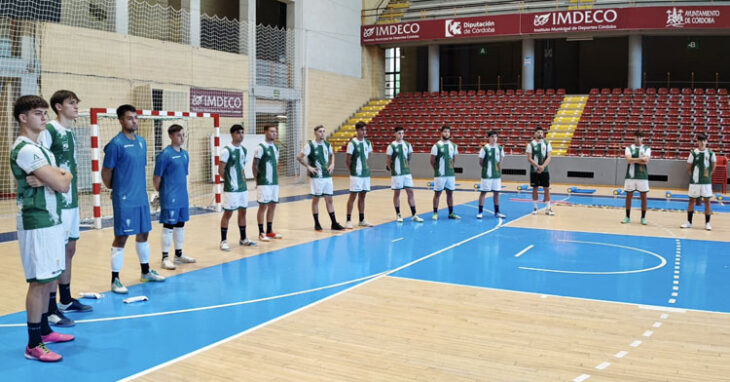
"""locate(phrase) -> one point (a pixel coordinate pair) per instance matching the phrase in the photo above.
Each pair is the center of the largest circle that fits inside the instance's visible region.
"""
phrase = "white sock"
(166, 240)
(548, 205)
(117, 259)
(535, 203)
(179, 235)
(143, 252)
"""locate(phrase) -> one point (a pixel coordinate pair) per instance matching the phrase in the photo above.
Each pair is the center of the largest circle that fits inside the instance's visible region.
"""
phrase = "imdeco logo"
(599, 16)
(368, 32)
(541, 20)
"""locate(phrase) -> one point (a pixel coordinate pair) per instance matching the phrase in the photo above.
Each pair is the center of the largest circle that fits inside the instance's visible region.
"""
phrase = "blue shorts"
(132, 220)
(174, 215)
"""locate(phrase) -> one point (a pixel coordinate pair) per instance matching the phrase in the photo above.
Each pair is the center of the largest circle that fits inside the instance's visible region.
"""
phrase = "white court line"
(398, 239)
(581, 378)
(662, 263)
(657, 324)
(635, 344)
(368, 278)
(603, 365)
(648, 333)
(621, 354)
(668, 309)
(522, 252)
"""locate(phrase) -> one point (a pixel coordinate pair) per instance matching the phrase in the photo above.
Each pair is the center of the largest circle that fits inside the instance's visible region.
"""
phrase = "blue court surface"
(196, 309)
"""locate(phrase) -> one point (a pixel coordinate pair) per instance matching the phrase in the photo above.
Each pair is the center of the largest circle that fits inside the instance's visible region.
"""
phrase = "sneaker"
(499, 215)
(58, 319)
(182, 259)
(152, 275)
(318, 227)
(55, 337)
(479, 215)
(365, 223)
(708, 227)
(399, 218)
(41, 353)
(348, 225)
(644, 222)
(224, 246)
(118, 287)
(247, 243)
(435, 216)
(686, 225)
(417, 219)
(534, 211)
(549, 212)
(167, 264)
(263, 237)
(454, 216)
(626, 220)
(273, 235)
(74, 306)
(337, 227)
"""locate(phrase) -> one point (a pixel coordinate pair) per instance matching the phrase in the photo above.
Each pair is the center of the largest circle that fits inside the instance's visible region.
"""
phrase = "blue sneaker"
(74, 306)
(58, 319)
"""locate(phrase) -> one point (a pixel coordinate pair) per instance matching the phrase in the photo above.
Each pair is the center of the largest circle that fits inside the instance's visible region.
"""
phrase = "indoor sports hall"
(577, 289)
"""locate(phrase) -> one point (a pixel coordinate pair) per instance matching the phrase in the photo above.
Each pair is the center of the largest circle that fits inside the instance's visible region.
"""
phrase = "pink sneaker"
(41, 353)
(55, 337)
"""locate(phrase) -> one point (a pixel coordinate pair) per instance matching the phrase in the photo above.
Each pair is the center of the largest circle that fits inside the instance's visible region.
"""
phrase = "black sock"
(689, 216)
(397, 210)
(165, 255)
(435, 210)
(145, 268)
(268, 227)
(362, 217)
(52, 302)
(115, 275)
(34, 334)
(178, 253)
(224, 233)
(261, 229)
(242, 231)
(45, 328)
(332, 217)
(349, 217)
(481, 208)
(316, 219)
(643, 214)
(628, 212)
(707, 218)
(413, 210)
(451, 210)
(496, 208)
(65, 291)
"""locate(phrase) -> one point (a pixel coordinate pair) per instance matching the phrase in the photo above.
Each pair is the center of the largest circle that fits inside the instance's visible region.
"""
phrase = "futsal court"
(530, 296)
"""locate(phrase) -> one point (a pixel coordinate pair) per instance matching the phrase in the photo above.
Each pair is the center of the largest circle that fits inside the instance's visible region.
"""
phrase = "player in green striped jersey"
(397, 161)
(265, 163)
(235, 192)
(491, 157)
(701, 164)
(443, 159)
(358, 151)
(539, 154)
(637, 175)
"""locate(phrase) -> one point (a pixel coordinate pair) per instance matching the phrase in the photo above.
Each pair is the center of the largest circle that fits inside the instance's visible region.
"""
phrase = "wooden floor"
(400, 329)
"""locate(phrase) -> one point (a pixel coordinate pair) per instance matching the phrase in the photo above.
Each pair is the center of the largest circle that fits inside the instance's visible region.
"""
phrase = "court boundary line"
(637, 305)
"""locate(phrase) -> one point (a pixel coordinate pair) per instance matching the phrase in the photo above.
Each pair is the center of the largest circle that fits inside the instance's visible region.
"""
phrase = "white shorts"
(320, 186)
(491, 185)
(268, 194)
(641, 185)
(232, 201)
(359, 184)
(70, 220)
(700, 190)
(447, 182)
(400, 182)
(43, 253)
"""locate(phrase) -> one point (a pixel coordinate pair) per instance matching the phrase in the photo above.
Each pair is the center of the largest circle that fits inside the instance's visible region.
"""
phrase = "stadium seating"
(514, 113)
(668, 117)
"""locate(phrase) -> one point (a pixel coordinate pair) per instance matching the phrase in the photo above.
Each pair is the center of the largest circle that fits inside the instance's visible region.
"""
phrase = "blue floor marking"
(110, 350)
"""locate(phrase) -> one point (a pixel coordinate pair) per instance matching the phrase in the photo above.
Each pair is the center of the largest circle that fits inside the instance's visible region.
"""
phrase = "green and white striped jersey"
(318, 156)
(40, 207)
(360, 152)
(539, 150)
(701, 162)
(62, 143)
(400, 157)
(268, 156)
(235, 159)
(444, 151)
(492, 156)
(635, 170)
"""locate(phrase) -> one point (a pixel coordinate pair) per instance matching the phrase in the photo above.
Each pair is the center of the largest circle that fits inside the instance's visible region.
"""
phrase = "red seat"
(720, 174)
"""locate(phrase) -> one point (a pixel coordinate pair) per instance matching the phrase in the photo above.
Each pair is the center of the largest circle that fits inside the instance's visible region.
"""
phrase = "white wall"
(332, 30)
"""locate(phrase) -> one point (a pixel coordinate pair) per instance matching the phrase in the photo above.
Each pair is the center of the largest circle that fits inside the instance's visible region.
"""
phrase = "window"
(392, 72)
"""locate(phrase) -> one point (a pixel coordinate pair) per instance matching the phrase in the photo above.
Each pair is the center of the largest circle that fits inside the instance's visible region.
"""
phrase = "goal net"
(202, 141)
